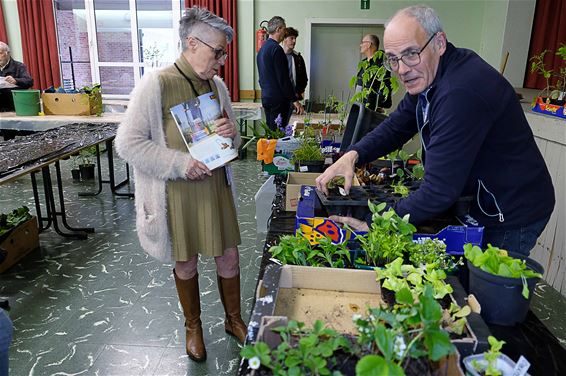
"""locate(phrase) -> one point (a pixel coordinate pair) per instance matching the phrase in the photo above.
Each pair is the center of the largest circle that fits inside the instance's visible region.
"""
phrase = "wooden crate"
(20, 241)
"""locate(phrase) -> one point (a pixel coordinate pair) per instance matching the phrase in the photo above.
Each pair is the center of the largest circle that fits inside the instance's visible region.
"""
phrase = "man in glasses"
(278, 95)
(475, 138)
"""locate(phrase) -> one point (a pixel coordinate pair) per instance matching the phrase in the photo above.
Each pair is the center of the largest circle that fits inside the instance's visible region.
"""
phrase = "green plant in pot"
(87, 157)
(94, 98)
(75, 170)
(308, 157)
(551, 94)
(502, 282)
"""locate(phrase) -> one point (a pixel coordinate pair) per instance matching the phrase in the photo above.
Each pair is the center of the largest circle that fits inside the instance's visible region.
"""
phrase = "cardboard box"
(19, 242)
(306, 294)
(70, 104)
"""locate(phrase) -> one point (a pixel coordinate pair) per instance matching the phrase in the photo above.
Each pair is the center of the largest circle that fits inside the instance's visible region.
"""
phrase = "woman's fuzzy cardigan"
(140, 140)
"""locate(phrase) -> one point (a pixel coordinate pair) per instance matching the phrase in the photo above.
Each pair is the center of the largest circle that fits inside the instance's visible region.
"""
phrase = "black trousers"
(275, 108)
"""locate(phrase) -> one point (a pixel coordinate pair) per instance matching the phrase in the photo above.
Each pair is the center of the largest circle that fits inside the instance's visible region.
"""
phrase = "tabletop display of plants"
(405, 339)
(496, 261)
(554, 94)
(11, 220)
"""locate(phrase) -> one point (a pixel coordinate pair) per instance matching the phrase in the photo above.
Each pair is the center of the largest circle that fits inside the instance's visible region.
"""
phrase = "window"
(126, 37)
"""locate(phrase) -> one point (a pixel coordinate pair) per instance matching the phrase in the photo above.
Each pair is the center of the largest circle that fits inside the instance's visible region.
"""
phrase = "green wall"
(475, 24)
(12, 22)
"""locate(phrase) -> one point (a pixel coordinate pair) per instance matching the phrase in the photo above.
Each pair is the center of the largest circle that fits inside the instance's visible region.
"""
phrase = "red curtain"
(549, 31)
(3, 33)
(227, 10)
(39, 42)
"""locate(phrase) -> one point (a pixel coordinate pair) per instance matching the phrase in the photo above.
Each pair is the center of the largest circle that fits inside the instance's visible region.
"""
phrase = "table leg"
(40, 217)
(113, 186)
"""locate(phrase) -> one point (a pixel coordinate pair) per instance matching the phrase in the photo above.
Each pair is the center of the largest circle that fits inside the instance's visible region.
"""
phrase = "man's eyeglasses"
(219, 52)
(410, 58)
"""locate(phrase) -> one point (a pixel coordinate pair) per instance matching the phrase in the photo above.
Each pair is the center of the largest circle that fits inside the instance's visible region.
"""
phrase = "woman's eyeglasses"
(219, 52)
(410, 58)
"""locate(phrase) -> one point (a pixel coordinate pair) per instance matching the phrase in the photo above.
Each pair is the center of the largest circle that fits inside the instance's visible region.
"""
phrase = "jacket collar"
(443, 65)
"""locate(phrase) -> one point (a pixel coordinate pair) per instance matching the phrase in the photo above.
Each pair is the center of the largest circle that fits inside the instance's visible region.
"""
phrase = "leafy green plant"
(454, 318)
(489, 367)
(296, 250)
(268, 133)
(538, 66)
(397, 276)
(371, 74)
(399, 187)
(418, 171)
(87, 155)
(13, 219)
(94, 97)
(308, 150)
(496, 261)
(301, 352)
(395, 335)
(388, 237)
(430, 251)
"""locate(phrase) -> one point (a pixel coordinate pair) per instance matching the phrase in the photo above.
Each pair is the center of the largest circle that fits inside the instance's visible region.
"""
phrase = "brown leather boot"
(230, 295)
(189, 296)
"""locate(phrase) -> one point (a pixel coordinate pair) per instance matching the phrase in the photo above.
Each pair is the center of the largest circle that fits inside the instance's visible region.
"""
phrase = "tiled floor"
(101, 306)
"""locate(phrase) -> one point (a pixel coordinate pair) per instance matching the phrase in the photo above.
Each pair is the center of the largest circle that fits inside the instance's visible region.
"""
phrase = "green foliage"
(268, 133)
(397, 276)
(430, 251)
(454, 318)
(410, 329)
(302, 351)
(399, 187)
(94, 97)
(388, 237)
(296, 250)
(489, 367)
(13, 219)
(496, 261)
(309, 150)
(418, 171)
(538, 66)
(87, 155)
(371, 74)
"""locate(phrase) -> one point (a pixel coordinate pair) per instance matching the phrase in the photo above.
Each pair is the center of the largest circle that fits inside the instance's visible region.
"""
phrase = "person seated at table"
(13, 73)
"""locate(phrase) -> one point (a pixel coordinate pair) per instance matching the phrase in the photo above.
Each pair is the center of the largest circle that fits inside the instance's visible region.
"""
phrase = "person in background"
(15, 75)
(183, 208)
(368, 47)
(476, 140)
(278, 96)
(296, 63)
(6, 332)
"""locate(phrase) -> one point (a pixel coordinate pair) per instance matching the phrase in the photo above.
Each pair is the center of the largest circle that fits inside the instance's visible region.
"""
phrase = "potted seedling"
(493, 362)
(552, 99)
(502, 282)
(86, 166)
(75, 171)
(308, 157)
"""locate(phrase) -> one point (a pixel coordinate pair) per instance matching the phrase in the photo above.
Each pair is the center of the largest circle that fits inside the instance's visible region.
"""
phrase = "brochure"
(195, 120)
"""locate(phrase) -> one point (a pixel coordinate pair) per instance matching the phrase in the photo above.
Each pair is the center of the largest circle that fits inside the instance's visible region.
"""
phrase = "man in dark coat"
(376, 99)
(13, 75)
(296, 63)
(476, 140)
(277, 92)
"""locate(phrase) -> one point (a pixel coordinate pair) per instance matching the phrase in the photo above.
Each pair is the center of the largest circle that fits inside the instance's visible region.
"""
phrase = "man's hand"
(10, 80)
(342, 167)
(196, 170)
(298, 108)
(354, 223)
(225, 127)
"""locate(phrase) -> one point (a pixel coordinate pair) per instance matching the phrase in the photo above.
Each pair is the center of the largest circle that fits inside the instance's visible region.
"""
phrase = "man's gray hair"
(274, 23)
(425, 16)
(374, 39)
(199, 22)
(4, 47)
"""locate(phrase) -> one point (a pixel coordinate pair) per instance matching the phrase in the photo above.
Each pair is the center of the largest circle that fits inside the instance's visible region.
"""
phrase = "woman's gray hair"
(199, 21)
(4, 47)
(425, 16)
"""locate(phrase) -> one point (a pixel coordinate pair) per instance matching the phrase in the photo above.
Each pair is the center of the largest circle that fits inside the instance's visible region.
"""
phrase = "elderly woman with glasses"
(183, 208)
(476, 141)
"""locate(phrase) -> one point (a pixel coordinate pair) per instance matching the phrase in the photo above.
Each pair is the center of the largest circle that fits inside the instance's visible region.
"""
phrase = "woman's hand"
(196, 170)
(225, 127)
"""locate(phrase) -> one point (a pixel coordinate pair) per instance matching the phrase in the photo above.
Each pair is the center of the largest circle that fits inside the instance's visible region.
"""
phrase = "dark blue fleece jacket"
(276, 85)
(476, 142)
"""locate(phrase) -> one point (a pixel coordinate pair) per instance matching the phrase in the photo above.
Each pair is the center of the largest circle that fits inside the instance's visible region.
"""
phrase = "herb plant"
(309, 150)
(430, 251)
(296, 250)
(395, 335)
(489, 367)
(388, 237)
(301, 352)
(496, 261)
(13, 219)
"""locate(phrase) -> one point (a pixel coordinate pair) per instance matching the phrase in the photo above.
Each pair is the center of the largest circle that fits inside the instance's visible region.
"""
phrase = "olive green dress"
(201, 214)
